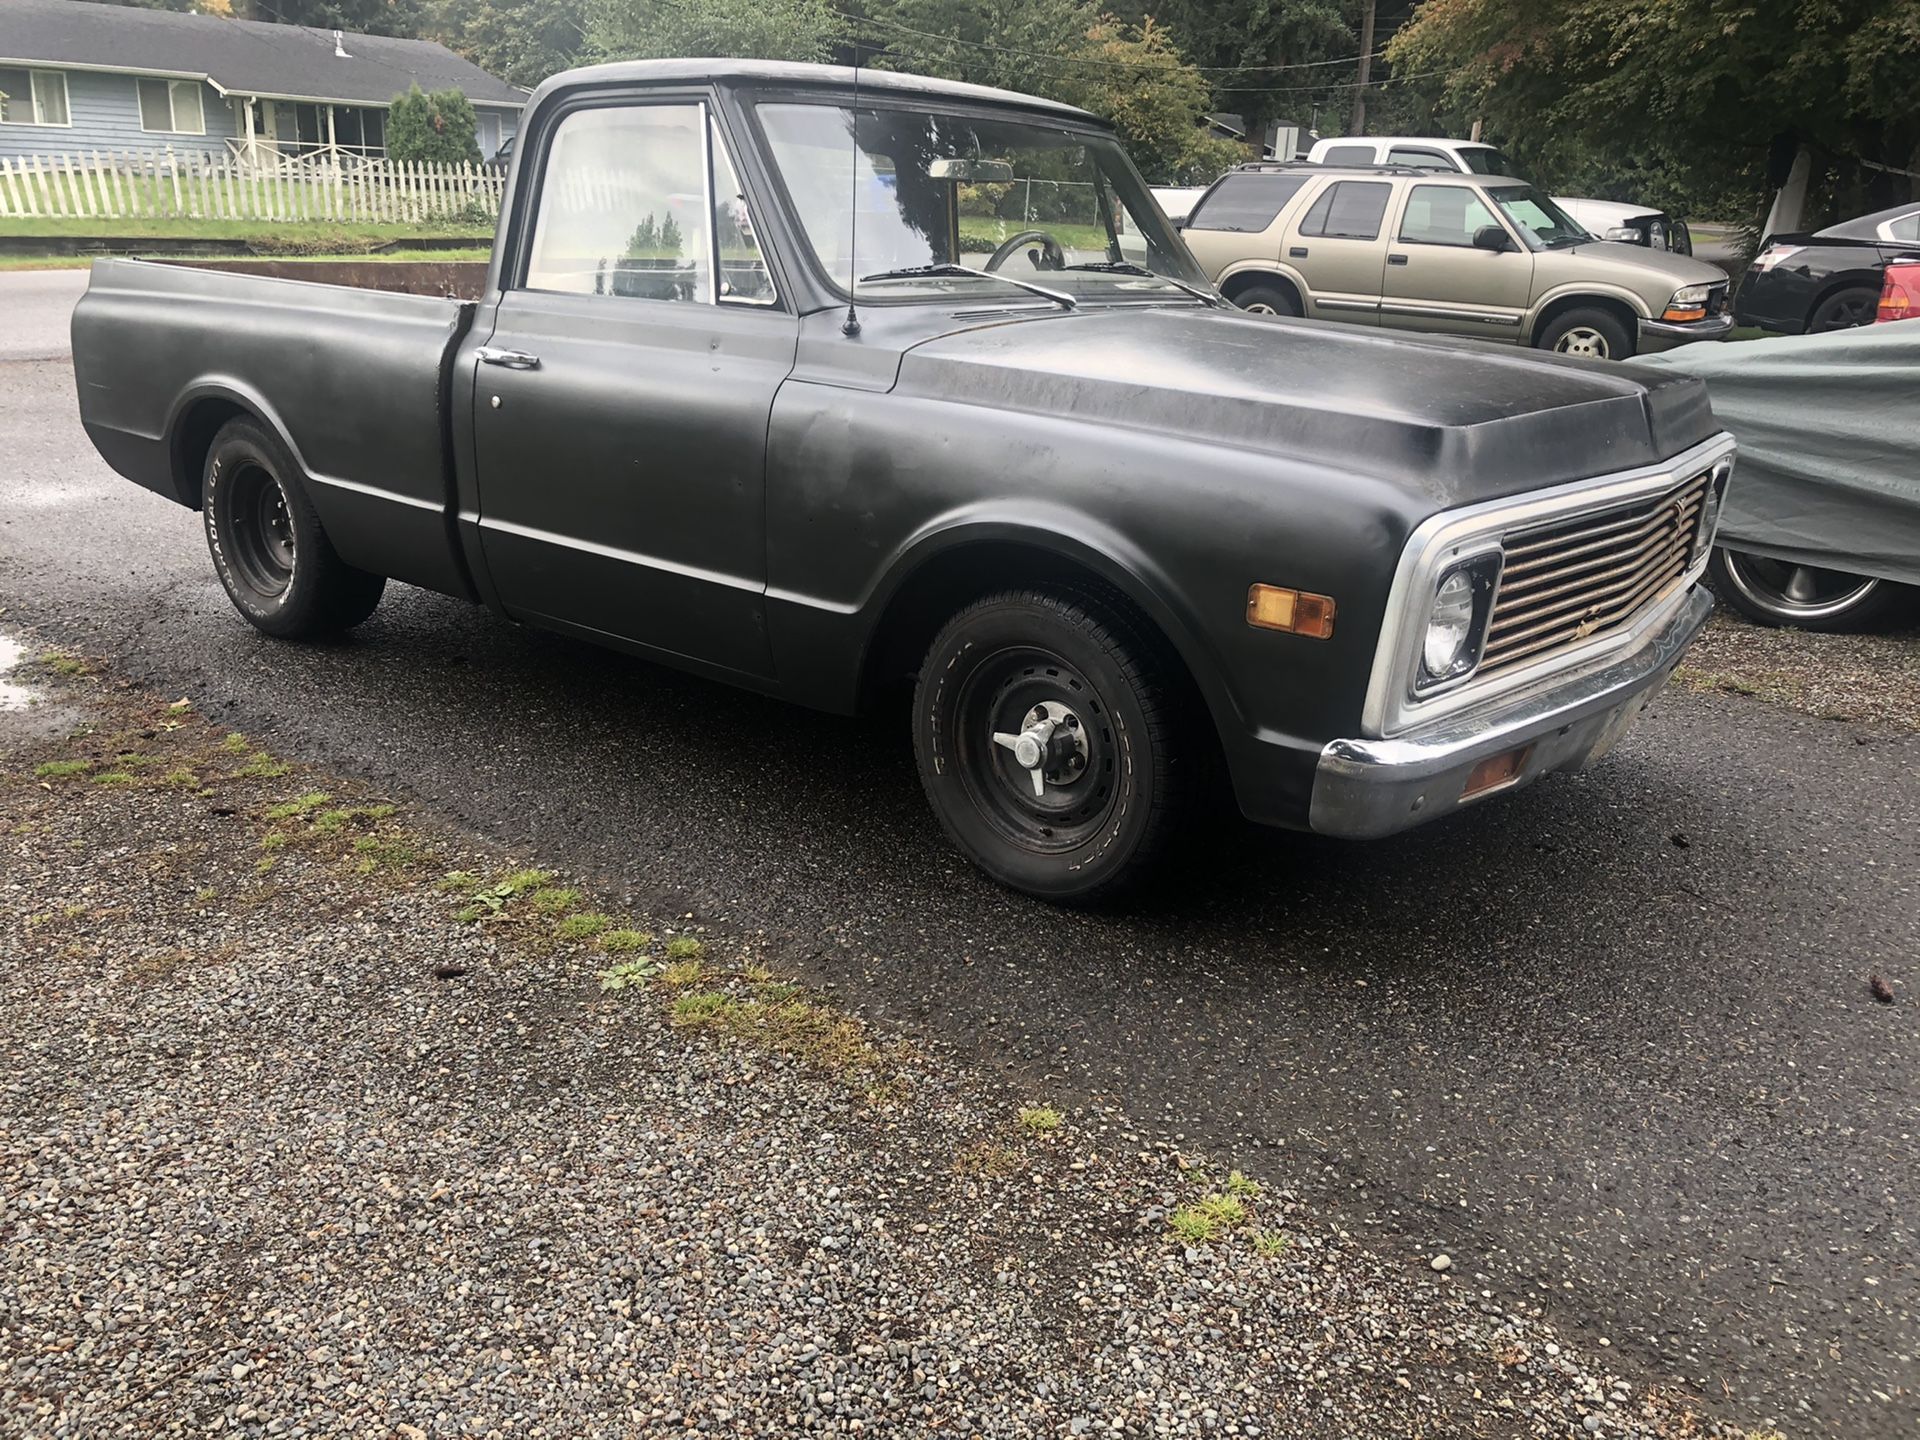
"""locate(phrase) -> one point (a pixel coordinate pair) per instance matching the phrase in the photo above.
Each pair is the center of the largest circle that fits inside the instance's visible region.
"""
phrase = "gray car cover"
(1829, 432)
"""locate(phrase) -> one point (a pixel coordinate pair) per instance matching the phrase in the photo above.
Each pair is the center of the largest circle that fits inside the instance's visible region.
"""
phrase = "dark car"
(1829, 280)
(1006, 448)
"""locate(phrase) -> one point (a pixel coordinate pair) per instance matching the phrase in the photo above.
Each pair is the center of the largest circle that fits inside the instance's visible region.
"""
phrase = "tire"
(1843, 310)
(1804, 597)
(1267, 300)
(1123, 761)
(267, 543)
(1594, 333)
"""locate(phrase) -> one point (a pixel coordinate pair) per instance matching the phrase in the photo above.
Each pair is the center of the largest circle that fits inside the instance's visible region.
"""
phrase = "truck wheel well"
(1619, 309)
(193, 437)
(1235, 285)
(949, 582)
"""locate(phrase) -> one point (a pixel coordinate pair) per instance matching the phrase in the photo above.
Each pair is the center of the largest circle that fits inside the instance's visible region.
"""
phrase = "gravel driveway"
(324, 1118)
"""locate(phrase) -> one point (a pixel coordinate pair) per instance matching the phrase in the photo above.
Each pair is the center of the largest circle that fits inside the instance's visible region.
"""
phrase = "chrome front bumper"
(1658, 335)
(1368, 788)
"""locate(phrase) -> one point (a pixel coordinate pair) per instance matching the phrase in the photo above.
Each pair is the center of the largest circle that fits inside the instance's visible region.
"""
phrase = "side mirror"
(1492, 237)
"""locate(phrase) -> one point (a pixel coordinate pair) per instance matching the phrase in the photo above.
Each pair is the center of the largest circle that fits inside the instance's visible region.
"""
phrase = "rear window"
(1245, 202)
(1419, 159)
(1349, 210)
(1907, 227)
(1349, 155)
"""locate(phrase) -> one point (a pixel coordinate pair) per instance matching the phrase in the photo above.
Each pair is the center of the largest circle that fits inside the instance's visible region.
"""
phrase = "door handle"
(1298, 252)
(1396, 259)
(512, 359)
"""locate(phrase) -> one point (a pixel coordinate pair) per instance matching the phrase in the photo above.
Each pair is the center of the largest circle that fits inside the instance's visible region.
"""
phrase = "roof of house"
(245, 57)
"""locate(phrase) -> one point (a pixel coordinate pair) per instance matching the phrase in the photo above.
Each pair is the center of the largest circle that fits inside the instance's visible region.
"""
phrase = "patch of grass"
(553, 902)
(62, 769)
(274, 840)
(682, 972)
(624, 942)
(397, 851)
(987, 1159)
(304, 805)
(627, 974)
(1270, 1243)
(1242, 1188)
(261, 766)
(62, 663)
(584, 925)
(521, 881)
(205, 895)
(181, 778)
(114, 777)
(685, 947)
(261, 867)
(133, 760)
(460, 882)
(308, 237)
(236, 743)
(1040, 1118)
(699, 1009)
(1193, 1225)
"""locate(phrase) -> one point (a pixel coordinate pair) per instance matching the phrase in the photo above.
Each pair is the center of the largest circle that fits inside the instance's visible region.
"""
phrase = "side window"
(623, 199)
(1246, 203)
(1905, 227)
(1350, 155)
(1420, 159)
(1443, 215)
(744, 278)
(1348, 210)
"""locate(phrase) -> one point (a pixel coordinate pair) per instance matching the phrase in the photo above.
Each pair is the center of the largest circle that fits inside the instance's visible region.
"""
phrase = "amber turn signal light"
(1685, 317)
(1495, 771)
(1273, 607)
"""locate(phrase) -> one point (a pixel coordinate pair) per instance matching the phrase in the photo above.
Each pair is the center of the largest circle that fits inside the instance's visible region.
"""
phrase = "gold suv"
(1479, 255)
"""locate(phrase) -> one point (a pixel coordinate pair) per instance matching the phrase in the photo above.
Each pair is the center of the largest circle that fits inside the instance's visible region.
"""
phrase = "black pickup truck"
(817, 390)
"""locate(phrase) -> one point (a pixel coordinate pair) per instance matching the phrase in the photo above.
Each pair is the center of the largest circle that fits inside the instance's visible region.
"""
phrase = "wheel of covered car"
(1596, 334)
(1805, 597)
(1046, 734)
(1843, 310)
(1052, 255)
(268, 546)
(1266, 300)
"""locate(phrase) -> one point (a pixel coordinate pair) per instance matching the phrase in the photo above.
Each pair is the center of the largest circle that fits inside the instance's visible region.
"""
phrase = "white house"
(77, 77)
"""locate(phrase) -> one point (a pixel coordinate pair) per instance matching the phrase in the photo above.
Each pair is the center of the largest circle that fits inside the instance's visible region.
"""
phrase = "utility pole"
(1357, 122)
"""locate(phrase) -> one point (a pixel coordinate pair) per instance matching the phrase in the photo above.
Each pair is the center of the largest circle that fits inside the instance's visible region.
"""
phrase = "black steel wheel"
(1046, 733)
(1843, 310)
(268, 546)
(1804, 597)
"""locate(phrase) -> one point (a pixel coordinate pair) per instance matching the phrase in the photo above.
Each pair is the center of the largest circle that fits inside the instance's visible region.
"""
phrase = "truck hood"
(1454, 421)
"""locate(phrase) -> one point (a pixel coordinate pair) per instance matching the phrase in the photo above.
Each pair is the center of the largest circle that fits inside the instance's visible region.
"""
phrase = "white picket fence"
(207, 187)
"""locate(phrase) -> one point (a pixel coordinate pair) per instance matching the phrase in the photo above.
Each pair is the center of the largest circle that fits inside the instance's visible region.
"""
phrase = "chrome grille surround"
(1587, 570)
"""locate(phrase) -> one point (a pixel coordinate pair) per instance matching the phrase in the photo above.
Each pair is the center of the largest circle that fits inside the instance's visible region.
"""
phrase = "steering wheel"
(1053, 255)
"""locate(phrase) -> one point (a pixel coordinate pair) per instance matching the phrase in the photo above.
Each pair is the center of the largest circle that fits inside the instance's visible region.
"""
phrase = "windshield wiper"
(916, 272)
(1127, 267)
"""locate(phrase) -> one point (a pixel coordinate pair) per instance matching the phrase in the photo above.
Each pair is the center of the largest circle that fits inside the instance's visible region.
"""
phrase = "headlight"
(1451, 646)
(1689, 297)
(1625, 234)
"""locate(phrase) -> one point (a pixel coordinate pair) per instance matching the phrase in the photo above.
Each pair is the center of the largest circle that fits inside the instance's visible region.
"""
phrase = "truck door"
(1437, 280)
(621, 400)
(1336, 245)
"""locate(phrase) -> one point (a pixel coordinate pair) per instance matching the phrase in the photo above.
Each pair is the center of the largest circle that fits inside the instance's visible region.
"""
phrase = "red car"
(1899, 292)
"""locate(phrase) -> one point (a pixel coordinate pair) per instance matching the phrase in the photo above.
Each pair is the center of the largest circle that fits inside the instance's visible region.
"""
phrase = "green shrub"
(437, 128)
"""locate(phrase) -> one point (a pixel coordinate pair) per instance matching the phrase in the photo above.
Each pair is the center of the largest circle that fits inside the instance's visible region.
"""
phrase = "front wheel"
(1266, 300)
(1596, 334)
(268, 546)
(1804, 597)
(1048, 730)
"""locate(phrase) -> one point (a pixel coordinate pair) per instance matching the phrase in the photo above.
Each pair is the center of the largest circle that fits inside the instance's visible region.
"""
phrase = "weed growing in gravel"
(62, 663)
(699, 1008)
(685, 947)
(182, 779)
(1040, 1118)
(987, 1159)
(584, 925)
(627, 974)
(133, 760)
(624, 942)
(460, 882)
(261, 766)
(685, 972)
(554, 902)
(397, 851)
(205, 895)
(1242, 1188)
(1269, 1243)
(114, 777)
(274, 840)
(521, 881)
(304, 805)
(236, 744)
(1208, 1218)
(62, 769)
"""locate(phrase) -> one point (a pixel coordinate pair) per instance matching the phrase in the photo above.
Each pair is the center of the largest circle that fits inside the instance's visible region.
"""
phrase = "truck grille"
(1570, 580)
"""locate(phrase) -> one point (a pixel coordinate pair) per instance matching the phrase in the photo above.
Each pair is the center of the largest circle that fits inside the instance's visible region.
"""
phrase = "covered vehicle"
(1829, 280)
(1823, 530)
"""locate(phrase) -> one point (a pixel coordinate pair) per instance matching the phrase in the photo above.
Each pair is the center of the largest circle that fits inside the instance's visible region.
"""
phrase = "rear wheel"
(268, 545)
(1054, 742)
(1843, 310)
(1805, 597)
(1266, 300)
(1596, 334)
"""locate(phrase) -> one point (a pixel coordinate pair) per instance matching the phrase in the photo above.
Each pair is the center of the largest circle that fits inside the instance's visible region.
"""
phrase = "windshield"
(1482, 161)
(1035, 202)
(1543, 224)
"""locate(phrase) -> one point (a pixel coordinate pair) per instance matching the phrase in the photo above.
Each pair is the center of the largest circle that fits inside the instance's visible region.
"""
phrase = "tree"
(1266, 57)
(1137, 78)
(757, 29)
(1682, 103)
(438, 128)
(521, 41)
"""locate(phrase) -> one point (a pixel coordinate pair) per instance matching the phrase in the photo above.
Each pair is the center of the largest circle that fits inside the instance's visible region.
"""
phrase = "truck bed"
(355, 381)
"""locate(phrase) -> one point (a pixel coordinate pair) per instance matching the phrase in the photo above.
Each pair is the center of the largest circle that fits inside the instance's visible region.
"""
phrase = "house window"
(33, 97)
(172, 107)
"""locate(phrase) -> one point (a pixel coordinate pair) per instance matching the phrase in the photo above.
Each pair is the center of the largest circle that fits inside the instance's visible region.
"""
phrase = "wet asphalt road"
(1608, 1043)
